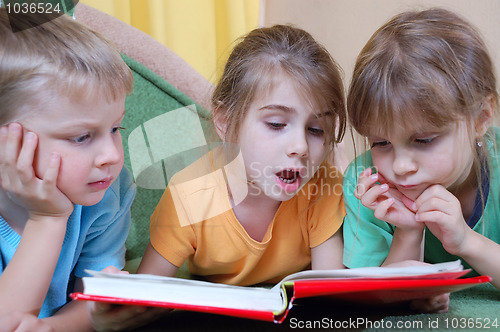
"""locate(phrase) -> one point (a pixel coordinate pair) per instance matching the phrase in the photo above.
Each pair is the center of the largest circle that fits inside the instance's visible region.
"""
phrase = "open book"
(366, 285)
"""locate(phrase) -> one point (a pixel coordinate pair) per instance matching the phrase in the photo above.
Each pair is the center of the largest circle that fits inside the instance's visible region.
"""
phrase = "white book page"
(201, 293)
(182, 291)
(377, 272)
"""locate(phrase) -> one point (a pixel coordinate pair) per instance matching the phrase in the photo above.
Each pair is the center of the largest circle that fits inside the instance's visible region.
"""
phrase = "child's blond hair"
(57, 58)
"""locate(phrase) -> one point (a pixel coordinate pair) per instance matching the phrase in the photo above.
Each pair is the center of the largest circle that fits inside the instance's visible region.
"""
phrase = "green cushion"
(152, 96)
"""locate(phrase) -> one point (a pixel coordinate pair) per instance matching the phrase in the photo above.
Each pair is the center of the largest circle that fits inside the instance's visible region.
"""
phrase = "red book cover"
(377, 287)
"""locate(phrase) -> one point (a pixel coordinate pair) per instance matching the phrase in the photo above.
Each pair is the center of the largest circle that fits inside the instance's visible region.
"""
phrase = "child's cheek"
(42, 158)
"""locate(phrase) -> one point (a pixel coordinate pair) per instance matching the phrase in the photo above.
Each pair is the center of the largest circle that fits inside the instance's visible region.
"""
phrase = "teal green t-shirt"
(367, 239)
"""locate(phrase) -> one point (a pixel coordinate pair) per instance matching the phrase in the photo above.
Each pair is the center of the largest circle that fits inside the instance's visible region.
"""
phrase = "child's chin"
(412, 195)
(282, 196)
(89, 200)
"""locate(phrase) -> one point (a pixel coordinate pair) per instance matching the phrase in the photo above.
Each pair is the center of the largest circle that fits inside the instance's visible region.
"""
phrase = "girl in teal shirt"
(424, 95)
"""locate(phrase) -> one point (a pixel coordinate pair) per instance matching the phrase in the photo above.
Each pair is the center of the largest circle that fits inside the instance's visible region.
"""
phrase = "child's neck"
(15, 215)
(255, 214)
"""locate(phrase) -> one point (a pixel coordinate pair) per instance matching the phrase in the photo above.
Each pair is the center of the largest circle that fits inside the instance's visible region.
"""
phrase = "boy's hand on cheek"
(386, 201)
(441, 212)
(40, 196)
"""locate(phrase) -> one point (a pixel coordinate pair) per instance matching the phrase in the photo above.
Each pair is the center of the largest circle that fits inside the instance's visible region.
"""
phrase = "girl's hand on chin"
(441, 212)
(388, 203)
(40, 196)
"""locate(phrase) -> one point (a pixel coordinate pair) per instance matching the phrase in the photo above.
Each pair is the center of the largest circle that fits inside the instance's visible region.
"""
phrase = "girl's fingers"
(437, 198)
(434, 191)
(410, 205)
(381, 178)
(429, 216)
(365, 182)
(437, 205)
(373, 195)
(382, 208)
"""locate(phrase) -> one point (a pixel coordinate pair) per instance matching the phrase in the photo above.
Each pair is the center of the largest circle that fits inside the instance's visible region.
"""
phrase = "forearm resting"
(406, 245)
(26, 279)
(482, 254)
(72, 314)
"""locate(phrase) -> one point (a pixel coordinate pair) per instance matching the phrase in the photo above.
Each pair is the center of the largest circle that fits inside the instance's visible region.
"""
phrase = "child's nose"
(110, 153)
(403, 163)
(297, 145)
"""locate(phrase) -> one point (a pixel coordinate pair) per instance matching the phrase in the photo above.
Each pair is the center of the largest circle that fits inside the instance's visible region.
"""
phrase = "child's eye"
(316, 131)
(424, 140)
(80, 139)
(117, 129)
(276, 125)
(380, 144)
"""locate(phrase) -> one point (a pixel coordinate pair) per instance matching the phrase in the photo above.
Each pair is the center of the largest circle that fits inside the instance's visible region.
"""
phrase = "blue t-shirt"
(95, 238)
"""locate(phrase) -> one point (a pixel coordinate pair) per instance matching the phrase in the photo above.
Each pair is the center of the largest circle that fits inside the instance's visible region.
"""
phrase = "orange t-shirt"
(218, 247)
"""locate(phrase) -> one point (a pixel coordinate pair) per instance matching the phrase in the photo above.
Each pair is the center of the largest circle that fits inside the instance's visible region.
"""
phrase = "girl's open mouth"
(288, 176)
(289, 180)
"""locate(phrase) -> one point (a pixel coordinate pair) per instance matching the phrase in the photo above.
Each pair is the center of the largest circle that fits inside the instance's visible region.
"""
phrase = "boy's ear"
(485, 117)
(220, 121)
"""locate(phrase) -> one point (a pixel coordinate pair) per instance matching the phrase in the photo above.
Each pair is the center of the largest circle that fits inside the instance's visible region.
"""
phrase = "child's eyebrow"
(79, 124)
(287, 109)
(320, 115)
(282, 108)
